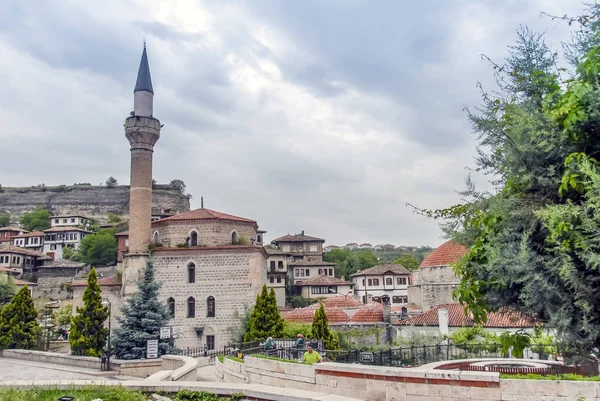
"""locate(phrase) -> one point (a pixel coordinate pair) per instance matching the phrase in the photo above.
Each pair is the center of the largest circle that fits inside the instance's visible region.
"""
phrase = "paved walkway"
(15, 369)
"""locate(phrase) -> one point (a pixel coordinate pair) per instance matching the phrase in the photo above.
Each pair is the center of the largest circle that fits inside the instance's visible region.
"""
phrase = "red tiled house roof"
(369, 313)
(29, 235)
(22, 282)
(297, 238)
(504, 318)
(306, 315)
(446, 254)
(324, 280)
(20, 251)
(102, 281)
(204, 214)
(63, 229)
(340, 301)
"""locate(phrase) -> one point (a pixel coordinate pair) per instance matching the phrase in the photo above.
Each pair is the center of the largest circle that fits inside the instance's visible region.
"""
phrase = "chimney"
(387, 308)
(443, 321)
(302, 232)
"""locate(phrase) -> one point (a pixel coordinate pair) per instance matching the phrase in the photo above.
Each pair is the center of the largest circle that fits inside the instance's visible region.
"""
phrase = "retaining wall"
(376, 383)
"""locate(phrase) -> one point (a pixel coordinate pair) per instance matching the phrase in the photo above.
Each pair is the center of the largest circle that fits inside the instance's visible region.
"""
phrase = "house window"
(302, 272)
(396, 299)
(280, 264)
(194, 238)
(191, 307)
(313, 248)
(210, 342)
(53, 247)
(370, 282)
(320, 272)
(363, 282)
(64, 220)
(279, 279)
(171, 305)
(272, 265)
(401, 281)
(56, 221)
(155, 237)
(191, 273)
(388, 281)
(271, 279)
(375, 281)
(331, 272)
(234, 238)
(259, 238)
(307, 272)
(286, 248)
(72, 220)
(297, 272)
(210, 306)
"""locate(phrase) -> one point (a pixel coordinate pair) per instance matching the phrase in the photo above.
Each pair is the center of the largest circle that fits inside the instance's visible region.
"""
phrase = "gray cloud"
(322, 116)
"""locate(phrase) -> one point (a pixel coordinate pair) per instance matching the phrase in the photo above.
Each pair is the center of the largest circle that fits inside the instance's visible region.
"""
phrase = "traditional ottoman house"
(7, 233)
(210, 270)
(388, 279)
(434, 281)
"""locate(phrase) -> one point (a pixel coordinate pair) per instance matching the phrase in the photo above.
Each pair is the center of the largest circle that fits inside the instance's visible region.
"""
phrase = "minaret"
(142, 130)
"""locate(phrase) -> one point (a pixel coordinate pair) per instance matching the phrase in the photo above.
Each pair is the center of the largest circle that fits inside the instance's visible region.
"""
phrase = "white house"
(277, 270)
(324, 287)
(68, 221)
(351, 246)
(58, 238)
(305, 270)
(330, 248)
(32, 241)
(389, 279)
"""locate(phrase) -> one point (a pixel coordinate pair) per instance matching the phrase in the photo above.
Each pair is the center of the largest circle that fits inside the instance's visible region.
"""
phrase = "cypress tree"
(320, 329)
(142, 316)
(88, 335)
(265, 320)
(18, 322)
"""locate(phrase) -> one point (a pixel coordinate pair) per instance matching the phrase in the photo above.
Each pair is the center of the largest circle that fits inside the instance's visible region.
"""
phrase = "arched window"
(234, 238)
(171, 305)
(155, 237)
(194, 238)
(191, 307)
(210, 306)
(191, 269)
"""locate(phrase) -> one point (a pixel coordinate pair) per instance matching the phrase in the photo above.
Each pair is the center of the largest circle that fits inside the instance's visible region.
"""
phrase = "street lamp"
(109, 351)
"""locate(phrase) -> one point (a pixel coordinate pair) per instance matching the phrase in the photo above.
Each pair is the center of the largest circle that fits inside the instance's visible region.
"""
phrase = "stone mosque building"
(211, 264)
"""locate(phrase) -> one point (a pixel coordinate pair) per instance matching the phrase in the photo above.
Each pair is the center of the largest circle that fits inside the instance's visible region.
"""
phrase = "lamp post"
(109, 351)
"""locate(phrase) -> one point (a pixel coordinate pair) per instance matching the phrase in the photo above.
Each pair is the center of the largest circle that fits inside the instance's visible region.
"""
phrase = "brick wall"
(232, 277)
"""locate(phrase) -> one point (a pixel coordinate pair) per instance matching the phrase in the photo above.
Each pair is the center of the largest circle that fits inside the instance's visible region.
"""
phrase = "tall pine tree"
(18, 322)
(265, 320)
(88, 335)
(141, 318)
(320, 329)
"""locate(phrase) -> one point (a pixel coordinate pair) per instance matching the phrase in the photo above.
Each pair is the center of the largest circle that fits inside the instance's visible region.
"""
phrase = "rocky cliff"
(91, 201)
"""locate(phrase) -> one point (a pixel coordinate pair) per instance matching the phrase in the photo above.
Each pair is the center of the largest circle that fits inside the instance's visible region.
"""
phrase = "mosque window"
(194, 238)
(171, 305)
(191, 269)
(234, 238)
(191, 307)
(210, 306)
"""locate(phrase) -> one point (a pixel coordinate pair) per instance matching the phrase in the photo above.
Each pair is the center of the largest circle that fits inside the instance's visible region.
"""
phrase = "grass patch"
(274, 358)
(233, 358)
(221, 358)
(564, 376)
(107, 393)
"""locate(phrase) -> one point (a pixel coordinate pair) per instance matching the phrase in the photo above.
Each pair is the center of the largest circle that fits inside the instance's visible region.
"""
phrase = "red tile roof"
(20, 251)
(122, 233)
(297, 238)
(9, 228)
(446, 254)
(340, 301)
(203, 214)
(504, 318)
(9, 270)
(382, 269)
(102, 281)
(29, 235)
(323, 280)
(22, 282)
(64, 229)
(369, 313)
(306, 315)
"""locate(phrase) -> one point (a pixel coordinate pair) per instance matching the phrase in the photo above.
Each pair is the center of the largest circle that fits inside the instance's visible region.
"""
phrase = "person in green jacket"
(269, 344)
(311, 356)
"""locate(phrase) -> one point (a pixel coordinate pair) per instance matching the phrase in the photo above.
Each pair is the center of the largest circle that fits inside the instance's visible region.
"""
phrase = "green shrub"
(564, 376)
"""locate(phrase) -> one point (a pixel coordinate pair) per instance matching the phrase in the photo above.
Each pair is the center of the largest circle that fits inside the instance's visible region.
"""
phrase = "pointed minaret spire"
(202, 202)
(143, 101)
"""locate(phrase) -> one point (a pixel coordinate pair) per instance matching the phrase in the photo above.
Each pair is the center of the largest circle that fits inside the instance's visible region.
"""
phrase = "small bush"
(564, 376)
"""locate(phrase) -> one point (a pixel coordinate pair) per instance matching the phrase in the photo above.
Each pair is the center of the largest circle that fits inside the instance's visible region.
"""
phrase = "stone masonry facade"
(233, 277)
(432, 286)
(210, 232)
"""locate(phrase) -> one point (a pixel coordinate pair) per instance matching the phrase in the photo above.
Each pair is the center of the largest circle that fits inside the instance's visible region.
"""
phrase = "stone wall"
(54, 287)
(91, 201)
(432, 286)
(210, 233)
(378, 383)
(233, 277)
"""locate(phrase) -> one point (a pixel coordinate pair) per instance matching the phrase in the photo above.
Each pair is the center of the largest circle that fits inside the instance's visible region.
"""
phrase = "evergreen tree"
(265, 320)
(320, 329)
(18, 322)
(7, 289)
(88, 335)
(141, 318)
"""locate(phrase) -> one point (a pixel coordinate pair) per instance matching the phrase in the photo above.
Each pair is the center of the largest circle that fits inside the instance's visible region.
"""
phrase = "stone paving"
(14, 369)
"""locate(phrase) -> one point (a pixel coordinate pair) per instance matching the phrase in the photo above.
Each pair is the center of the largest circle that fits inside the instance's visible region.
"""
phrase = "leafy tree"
(179, 184)
(111, 182)
(408, 261)
(320, 329)
(4, 219)
(265, 320)
(68, 253)
(337, 256)
(238, 331)
(291, 330)
(88, 335)
(534, 244)
(350, 262)
(98, 249)
(38, 220)
(61, 318)
(141, 318)
(7, 289)
(114, 218)
(18, 322)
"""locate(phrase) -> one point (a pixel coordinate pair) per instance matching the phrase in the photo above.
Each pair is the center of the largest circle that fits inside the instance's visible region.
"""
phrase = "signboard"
(165, 332)
(151, 349)
(177, 331)
(366, 357)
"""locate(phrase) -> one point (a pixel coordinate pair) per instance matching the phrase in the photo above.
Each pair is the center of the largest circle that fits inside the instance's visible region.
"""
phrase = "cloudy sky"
(320, 115)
